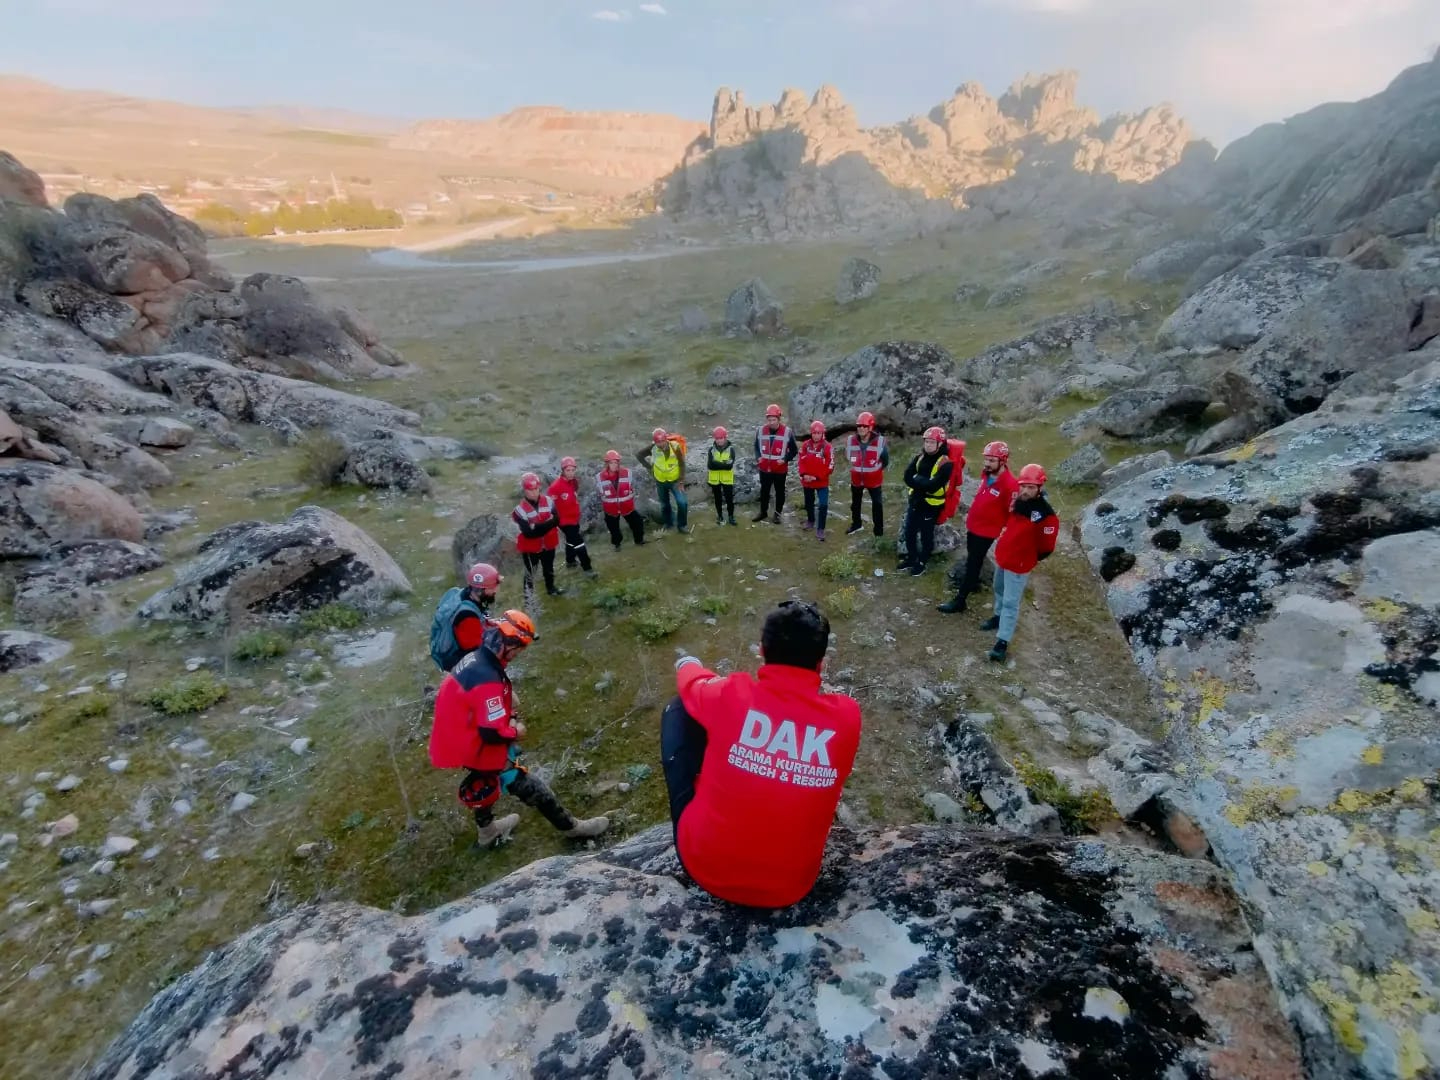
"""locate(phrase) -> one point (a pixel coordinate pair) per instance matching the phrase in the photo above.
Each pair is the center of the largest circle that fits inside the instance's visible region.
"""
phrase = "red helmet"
(997, 449)
(935, 432)
(865, 419)
(530, 482)
(484, 577)
(720, 434)
(817, 428)
(612, 455)
(567, 463)
(659, 435)
(773, 410)
(1032, 474)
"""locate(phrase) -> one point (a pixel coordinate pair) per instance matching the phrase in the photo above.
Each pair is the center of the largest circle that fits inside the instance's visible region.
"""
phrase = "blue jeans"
(817, 505)
(681, 515)
(1009, 589)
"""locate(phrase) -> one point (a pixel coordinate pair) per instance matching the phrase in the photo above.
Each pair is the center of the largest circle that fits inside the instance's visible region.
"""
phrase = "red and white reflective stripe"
(615, 490)
(773, 443)
(864, 459)
(539, 513)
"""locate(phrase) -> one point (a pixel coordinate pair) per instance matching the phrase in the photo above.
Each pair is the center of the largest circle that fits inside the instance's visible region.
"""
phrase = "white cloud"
(607, 15)
(654, 9)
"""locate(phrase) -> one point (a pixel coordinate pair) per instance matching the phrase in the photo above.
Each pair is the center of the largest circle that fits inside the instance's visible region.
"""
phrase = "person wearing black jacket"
(720, 473)
(927, 477)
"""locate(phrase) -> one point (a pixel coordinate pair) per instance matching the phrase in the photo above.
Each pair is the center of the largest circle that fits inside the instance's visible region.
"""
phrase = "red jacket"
(1030, 534)
(867, 461)
(774, 450)
(778, 756)
(991, 504)
(617, 493)
(566, 494)
(474, 721)
(537, 523)
(816, 463)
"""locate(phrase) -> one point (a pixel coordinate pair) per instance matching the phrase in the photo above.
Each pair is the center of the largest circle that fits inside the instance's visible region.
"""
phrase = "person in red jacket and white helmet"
(815, 463)
(985, 519)
(565, 492)
(775, 448)
(1031, 530)
(539, 534)
(617, 500)
(869, 457)
(475, 728)
(755, 765)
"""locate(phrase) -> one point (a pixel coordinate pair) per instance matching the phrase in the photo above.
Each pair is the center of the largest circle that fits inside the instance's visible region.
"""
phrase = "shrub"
(260, 645)
(322, 459)
(1081, 813)
(842, 566)
(77, 710)
(632, 592)
(843, 602)
(331, 617)
(715, 605)
(187, 694)
(654, 623)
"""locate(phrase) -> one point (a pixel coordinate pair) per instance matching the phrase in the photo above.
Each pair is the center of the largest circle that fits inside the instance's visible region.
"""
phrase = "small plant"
(260, 645)
(77, 710)
(1081, 813)
(655, 623)
(842, 566)
(843, 602)
(632, 592)
(331, 617)
(187, 694)
(715, 605)
(322, 458)
(313, 672)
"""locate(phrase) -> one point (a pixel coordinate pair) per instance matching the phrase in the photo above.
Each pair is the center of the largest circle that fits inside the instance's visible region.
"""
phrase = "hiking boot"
(496, 833)
(820, 535)
(992, 623)
(916, 569)
(953, 607)
(762, 516)
(616, 546)
(554, 590)
(590, 827)
(719, 519)
(732, 519)
(592, 573)
(776, 517)
(853, 529)
(997, 651)
(810, 523)
(638, 543)
(684, 530)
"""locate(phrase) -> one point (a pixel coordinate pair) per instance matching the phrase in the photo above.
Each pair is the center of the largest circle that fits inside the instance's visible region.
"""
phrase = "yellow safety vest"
(665, 467)
(725, 458)
(938, 498)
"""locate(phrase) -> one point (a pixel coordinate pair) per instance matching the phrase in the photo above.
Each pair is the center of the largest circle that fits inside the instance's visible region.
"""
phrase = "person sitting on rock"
(755, 764)
(565, 492)
(1029, 538)
(927, 476)
(462, 615)
(475, 728)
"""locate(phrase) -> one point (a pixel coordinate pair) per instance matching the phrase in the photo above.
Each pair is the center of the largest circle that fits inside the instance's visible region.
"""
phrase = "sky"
(1226, 65)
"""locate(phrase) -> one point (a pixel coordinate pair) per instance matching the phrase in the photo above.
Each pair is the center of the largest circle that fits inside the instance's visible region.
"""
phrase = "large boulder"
(22, 649)
(859, 280)
(753, 310)
(255, 570)
(123, 262)
(1084, 466)
(26, 335)
(1282, 599)
(484, 538)
(285, 323)
(19, 184)
(1237, 309)
(1050, 337)
(104, 319)
(925, 951)
(908, 385)
(65, 587)
(43, 506)
(147, 215)
(1180, 259)
(384, 463)
(1140, 413)
(1131, 467)
(85, 389)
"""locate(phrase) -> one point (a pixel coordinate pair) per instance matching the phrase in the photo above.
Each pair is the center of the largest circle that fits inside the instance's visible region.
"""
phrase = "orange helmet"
(935, 432)
(516, 626)
(720, 434)
(773, 410)
(1032, 474)
(612, 455)
(997, 449)
(567, 463)
(865, 419)
(817, 428)
(484, 577)
(659, 435)
(530, 482)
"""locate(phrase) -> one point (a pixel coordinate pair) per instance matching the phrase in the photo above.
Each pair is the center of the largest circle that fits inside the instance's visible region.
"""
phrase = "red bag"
(956, 451)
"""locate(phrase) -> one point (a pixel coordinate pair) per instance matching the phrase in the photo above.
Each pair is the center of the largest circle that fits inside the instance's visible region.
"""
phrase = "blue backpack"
(444, 649)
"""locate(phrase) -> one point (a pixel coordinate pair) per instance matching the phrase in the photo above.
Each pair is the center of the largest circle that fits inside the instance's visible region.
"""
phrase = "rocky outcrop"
(19, 184)
(1239, 308)
(925, 951)
(285, 325)
(1281, 598)
(753, 310)
(859, 280)
(384, 463)
(805, 166)
(1140, 413)
(22, 649)
(1132, 467)
(908, 385)
(254, 570)
(66, 586)
(1085, 466)
(43, 506)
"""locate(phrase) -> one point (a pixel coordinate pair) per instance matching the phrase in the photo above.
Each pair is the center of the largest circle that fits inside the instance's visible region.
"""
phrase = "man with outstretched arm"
(755, 764)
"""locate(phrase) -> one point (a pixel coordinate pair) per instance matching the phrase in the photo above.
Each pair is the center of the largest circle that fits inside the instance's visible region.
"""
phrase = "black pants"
(545, 560)
(633, 519)
(478, 787)
(920, 532)
(768, 481)
(575, 549)
(682, 752)
(976, 548)
(877, 508)
(724, 496)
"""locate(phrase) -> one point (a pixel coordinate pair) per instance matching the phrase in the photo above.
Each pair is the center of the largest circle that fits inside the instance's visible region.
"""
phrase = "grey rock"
(944, 807)
(693, 320)
(725, 375)
(1209, 270)
(104, 319)
(1237, 309)
(123, 262)
(1180, 259)
(64, 587)
(118, 845)
(972, 759)
(753, 310)
(43, 506)
(1132, 414)
(242, 801)
(483, 538)
(164, 432)
(1085, 466)
(1131, 467)
(19, 184)
(859, 280)
(908, 385)
(286, 324)
(1424, 321)
(384, 463)
(26, 335)
(68, 782)
(1008, 295)
(260, 570)
(1059, 334)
